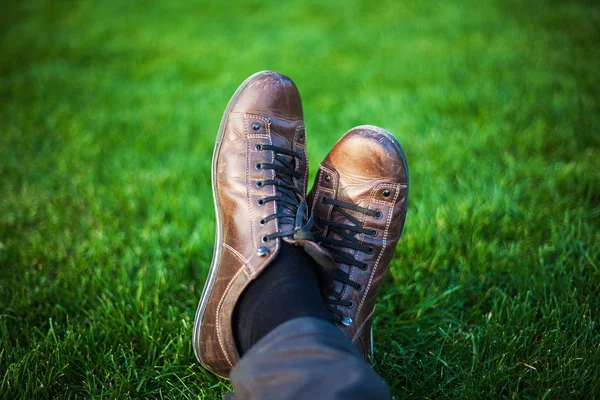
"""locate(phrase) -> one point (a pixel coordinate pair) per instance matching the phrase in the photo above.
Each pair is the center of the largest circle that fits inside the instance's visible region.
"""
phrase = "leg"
(306, 358)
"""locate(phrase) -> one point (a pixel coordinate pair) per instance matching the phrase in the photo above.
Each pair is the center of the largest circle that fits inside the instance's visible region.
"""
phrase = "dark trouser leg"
(306, 358)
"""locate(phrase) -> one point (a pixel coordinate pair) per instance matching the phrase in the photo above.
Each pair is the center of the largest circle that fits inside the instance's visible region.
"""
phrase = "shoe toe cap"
(272, 94)
(369, 152)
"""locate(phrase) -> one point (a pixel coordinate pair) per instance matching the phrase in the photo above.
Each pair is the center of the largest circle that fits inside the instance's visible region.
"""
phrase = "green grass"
(108, 112)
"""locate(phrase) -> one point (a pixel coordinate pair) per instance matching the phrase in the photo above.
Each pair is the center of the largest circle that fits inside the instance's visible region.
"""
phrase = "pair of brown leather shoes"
(350, 222)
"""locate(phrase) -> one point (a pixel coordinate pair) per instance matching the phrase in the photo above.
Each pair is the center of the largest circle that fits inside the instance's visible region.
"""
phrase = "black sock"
(286, 289)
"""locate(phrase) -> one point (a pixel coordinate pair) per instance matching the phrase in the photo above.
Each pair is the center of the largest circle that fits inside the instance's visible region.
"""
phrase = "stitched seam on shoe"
(315, 199)
(379, 187)
(352, 271)
(274, 188)
(333, 193)
(299, 128)
(251, 272)
(257, 136)
(358, 332)
(219, 312)
(305, 161)
(247, 116)
(248, 193)
(237, 253)
(383, 247)
(250, 189)
(317, 196)
(247, 136)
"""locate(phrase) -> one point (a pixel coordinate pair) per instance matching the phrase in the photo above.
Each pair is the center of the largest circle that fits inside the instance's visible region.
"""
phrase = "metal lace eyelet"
(346, 321)
(351, 305)
(327, 178)
(358, 287)
(301, 135)
(386, 193)
(260, 184)
(262, 222)
(256, 126)
(258, 166)
(378, 214)
(323, 199)
(262, 251)
(374, 233)
(370, 250)
(264, 239)
(260, 202)
(258, 147)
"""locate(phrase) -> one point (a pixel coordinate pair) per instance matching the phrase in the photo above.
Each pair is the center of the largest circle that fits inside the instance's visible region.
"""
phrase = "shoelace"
(291, 204)
(349, 241)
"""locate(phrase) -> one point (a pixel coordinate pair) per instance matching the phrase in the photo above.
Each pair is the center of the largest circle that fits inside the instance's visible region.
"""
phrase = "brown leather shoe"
(259, 176)
(359, 203)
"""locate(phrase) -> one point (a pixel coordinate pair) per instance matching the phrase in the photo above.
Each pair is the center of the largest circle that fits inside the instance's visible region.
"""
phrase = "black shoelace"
(291, 204)
(349, 240)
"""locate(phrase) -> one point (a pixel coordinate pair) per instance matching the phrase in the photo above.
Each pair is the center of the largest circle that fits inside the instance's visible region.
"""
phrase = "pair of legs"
(287, 308)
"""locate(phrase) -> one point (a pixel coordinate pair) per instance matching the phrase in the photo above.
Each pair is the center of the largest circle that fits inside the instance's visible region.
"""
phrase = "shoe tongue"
(280, 140)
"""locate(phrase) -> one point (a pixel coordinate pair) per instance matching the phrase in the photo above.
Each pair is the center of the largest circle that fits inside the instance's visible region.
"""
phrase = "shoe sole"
(214, 267)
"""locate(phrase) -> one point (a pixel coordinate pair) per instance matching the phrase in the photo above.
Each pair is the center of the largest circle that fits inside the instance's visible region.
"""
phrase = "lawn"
(108, 113)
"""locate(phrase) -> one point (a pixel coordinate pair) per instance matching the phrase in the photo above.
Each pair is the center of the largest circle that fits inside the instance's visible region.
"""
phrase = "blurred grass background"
(108, 112)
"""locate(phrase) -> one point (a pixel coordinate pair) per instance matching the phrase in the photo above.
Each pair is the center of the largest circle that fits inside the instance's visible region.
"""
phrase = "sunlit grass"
(108, 112)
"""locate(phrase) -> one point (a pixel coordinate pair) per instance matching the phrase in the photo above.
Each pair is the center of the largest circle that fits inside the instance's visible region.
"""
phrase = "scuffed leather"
(362, 164)
(271, 100)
